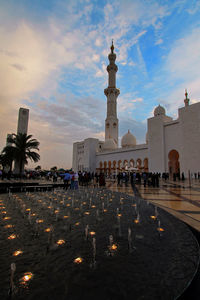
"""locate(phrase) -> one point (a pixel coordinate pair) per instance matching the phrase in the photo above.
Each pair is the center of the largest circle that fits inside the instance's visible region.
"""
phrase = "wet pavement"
(180, 198)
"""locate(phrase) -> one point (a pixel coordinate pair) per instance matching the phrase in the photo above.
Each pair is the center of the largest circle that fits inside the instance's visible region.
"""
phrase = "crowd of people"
(150, 179)
(73, 180)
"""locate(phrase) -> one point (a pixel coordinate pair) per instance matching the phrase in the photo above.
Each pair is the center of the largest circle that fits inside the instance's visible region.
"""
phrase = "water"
(55, 275)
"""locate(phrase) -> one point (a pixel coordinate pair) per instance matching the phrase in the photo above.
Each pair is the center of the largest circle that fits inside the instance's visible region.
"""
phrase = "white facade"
(172, 146)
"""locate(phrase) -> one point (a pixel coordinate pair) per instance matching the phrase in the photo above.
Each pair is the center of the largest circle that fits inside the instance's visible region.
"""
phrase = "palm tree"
(6, 158)
(21, 146)
(38, 168)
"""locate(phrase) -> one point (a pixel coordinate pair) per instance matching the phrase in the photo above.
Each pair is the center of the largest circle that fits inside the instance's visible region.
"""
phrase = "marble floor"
(181, 199)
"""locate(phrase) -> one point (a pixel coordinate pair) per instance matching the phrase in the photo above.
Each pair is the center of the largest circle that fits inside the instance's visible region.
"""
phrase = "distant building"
(22, 127)
(171, 146)
(23, 118)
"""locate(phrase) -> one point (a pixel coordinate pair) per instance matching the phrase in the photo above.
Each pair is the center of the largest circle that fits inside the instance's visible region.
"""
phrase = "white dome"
(159, 110)
(109, 144)
(128, 140)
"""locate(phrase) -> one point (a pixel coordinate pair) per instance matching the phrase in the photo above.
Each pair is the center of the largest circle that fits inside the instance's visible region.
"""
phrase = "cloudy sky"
(53, 58)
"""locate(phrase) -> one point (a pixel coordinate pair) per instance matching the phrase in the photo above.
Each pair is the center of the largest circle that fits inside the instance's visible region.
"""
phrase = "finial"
(128, 131)
(186, 101)
(186, 94)
(112, 47)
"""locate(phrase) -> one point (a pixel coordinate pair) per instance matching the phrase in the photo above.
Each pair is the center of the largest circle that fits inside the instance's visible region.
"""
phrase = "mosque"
(172, 146)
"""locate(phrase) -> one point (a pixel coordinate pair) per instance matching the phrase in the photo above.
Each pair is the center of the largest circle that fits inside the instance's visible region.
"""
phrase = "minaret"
(186, 100)
(111, 92)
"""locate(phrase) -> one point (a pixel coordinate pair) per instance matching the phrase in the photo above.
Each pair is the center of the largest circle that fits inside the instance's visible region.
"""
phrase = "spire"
(112, 47)
(186, 93)
(186, 100)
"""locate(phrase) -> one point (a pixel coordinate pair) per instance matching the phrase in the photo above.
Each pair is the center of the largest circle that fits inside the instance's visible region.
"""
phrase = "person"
(76, 181)
(66, 179)
(55, 177)
(157, 179)
(102, 181)
(126, 179)
(174, 177)
(72, 181)
(134, 178)
(153, 179)
(145, 178)
(48, 175)
(123, 175)
(118, 178)
(9, 174)
(131, 175)
(96, 180)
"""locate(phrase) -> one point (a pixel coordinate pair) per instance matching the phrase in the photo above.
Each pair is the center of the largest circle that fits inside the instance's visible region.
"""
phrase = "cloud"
(159, 42)
(182, 67)
(95, 57)
(132, 64)
(127, 104)
(194, 8)
(62, 123)
(142, 64)
(183, 59)
(18, 67)
(56, 67)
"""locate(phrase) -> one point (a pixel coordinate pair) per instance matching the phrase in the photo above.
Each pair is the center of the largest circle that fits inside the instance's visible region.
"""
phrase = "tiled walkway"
(182, 199)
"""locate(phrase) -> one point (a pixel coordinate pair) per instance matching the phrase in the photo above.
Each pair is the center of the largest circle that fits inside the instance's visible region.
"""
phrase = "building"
(172, 146)
(22, 127)
(23, 120)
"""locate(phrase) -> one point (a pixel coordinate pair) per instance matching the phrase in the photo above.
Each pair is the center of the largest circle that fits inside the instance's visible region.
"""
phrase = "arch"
(131, 163)
(114, 164)
(139, 163)
(119, 164)
(125, 164)
(105, 165)
(109, 167)
(101, 165)
(146, 165)
(173, 163)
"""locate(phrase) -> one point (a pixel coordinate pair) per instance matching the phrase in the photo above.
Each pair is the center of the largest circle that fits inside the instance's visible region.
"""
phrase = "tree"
(54, 168)
(21, 146)
(38, 168)
(7, 157)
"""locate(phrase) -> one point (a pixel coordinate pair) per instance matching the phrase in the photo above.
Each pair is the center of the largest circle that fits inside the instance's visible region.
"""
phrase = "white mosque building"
(171, 146)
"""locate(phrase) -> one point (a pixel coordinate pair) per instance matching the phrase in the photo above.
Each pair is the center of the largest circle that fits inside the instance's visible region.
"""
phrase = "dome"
(128, 140)
(109, 145)
(159, 110)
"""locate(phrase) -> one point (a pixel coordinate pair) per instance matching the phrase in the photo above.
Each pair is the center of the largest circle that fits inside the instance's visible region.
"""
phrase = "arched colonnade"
(123, 165)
